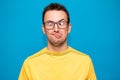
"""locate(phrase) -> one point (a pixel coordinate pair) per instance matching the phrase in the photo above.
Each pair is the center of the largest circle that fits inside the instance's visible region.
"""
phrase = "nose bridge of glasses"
(56, 25)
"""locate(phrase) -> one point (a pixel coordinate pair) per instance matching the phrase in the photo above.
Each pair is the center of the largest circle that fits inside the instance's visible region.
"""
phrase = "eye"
(61, 23)
(50, 24)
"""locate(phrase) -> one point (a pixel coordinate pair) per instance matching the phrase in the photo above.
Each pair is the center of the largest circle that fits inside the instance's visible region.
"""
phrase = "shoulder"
(80, 55)
(35, 56)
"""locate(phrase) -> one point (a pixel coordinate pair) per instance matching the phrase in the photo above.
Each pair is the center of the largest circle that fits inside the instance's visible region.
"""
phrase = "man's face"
(56, 36)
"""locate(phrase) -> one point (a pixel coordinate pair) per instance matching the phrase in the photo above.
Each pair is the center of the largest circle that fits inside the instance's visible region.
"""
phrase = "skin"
(56, 37)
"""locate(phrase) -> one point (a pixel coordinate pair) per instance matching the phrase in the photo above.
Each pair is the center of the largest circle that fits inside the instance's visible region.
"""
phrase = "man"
(57, 61)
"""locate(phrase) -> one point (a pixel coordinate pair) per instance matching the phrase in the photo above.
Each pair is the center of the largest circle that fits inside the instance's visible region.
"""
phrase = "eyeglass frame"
(56, 23)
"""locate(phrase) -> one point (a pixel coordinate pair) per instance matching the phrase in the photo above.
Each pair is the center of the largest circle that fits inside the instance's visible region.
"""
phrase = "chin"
(57, 43)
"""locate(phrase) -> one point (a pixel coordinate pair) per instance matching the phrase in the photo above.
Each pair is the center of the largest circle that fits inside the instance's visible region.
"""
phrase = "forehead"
(54, 15)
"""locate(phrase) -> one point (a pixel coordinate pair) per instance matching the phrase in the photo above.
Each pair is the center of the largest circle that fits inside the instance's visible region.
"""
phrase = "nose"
(56, 29)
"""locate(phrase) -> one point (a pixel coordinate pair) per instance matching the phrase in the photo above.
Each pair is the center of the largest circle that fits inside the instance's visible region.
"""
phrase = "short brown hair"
(55, 6)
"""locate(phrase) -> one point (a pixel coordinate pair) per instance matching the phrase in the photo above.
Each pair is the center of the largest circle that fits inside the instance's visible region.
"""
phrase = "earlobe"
(69, 28)
(43, 29)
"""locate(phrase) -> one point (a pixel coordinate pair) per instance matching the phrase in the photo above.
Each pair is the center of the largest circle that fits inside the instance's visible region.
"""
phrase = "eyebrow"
(53, 21)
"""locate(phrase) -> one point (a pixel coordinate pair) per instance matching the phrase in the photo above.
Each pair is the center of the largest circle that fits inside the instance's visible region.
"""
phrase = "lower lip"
(57, 36)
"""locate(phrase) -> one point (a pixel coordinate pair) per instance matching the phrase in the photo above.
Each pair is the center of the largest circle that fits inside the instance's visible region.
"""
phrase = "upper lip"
(58, 35)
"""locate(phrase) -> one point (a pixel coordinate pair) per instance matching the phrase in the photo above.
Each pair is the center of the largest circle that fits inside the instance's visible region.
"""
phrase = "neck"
(57, 48)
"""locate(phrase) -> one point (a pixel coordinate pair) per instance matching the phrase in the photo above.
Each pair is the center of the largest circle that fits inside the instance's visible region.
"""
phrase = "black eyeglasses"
(61, 24)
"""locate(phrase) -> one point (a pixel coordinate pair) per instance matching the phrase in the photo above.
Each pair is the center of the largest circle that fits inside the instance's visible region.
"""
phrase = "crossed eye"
(50, 24)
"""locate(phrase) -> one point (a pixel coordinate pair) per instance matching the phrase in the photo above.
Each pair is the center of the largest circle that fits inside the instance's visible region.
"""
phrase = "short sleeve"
(25, 72)
(91, 73)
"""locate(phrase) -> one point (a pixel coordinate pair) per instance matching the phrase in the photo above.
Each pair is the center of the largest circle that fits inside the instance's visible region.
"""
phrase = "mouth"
(57, 35)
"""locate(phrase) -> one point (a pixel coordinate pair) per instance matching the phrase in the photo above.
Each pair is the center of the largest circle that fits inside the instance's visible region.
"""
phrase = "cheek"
(64, 33)
(48, 33)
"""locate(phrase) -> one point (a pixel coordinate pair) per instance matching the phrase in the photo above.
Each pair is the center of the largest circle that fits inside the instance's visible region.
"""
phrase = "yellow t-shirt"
(66, 65)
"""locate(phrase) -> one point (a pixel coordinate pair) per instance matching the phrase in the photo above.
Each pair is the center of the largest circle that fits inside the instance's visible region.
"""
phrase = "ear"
(43, 29)
(69, 27)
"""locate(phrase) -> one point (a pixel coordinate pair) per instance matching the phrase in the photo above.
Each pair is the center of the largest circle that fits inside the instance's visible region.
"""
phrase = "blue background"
(95, 31)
